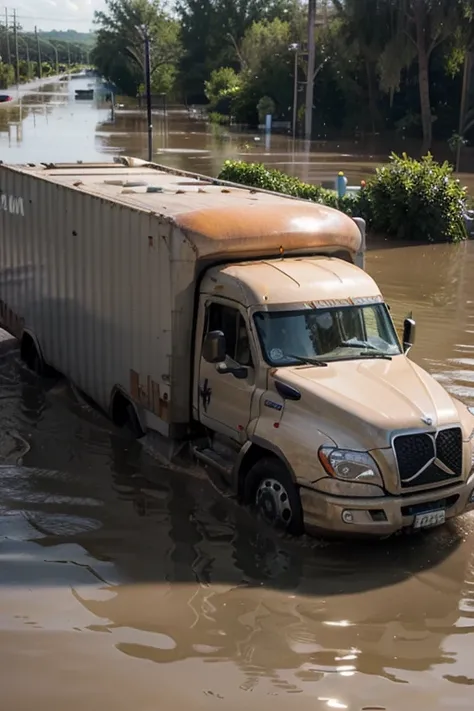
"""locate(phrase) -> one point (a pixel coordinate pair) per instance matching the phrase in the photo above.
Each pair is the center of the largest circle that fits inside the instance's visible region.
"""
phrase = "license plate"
(427, 520)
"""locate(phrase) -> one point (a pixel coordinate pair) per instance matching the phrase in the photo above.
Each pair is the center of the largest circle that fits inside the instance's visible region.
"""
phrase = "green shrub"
(409, 200)
(217, 118)
(415, 200)
(257, 175)
(7, 75)
(223, 83)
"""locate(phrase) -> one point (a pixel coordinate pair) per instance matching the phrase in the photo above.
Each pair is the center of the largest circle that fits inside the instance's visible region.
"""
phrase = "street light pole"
(148, 95)
(462, 112)
(40, 66)
(308, 123)
(295, 48)
(57, 57)
(25, 42)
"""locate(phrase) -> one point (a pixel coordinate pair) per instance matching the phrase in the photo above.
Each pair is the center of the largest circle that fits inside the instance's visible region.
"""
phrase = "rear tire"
(124, 416)
(270, 490)
(31, 357)
(133, 423)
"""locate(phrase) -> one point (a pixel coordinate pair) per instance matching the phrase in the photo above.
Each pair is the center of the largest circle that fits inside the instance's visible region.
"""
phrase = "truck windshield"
(342, 333)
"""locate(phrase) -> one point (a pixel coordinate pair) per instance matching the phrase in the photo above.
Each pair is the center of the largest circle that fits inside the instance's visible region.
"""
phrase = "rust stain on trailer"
(10, 320)
(148, 395)
(134, 385)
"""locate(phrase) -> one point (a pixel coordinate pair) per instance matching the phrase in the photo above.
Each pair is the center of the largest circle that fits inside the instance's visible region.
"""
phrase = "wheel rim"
(273, 502)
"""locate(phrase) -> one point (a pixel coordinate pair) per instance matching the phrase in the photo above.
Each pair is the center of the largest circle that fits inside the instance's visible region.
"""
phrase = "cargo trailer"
(241, 323)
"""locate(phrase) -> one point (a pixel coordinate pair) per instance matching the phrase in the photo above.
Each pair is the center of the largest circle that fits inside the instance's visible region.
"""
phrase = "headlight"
(350, 466)
(471, 410)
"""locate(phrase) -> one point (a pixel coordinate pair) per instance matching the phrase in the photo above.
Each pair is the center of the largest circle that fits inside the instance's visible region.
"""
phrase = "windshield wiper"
(377, 354)
(308, 361)
(357, 344)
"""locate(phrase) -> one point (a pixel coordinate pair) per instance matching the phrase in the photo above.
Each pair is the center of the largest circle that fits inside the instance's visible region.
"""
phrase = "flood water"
(124, 585)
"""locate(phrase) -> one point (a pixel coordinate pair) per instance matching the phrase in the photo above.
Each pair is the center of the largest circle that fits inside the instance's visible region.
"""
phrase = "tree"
(267, 69)
(7, 75)
(367, 39)
(224, 83)
(212, 31)
(419, 27)
(119, 52)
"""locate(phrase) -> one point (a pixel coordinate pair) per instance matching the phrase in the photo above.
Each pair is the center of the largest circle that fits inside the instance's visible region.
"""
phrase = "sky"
(55, 14)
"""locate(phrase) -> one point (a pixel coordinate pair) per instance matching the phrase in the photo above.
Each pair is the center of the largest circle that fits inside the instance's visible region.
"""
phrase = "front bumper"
(381, 516)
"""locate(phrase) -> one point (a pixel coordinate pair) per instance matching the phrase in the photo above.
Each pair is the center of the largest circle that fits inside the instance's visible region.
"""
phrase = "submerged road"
(126, 585)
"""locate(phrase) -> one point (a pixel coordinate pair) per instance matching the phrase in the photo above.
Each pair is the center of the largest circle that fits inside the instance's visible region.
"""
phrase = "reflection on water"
(53, 126)
(435, 282)
(126, 585)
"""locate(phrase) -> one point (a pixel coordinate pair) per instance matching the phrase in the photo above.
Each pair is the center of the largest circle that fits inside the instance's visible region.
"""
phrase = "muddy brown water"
(124, 585)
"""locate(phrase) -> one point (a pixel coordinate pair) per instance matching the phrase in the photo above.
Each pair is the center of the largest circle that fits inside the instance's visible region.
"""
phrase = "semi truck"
(240, 326)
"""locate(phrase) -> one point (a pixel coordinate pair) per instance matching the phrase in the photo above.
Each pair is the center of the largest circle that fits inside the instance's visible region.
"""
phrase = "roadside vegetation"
(119, 54)
(58, 51)
(30, 71)
(399, 71)
(409, 200)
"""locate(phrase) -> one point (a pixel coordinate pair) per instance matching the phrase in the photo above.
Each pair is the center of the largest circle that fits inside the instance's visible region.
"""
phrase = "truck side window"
(232, 324)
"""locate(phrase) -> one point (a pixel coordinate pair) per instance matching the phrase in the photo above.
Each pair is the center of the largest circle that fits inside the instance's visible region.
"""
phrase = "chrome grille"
(425, 458)
(449, 449)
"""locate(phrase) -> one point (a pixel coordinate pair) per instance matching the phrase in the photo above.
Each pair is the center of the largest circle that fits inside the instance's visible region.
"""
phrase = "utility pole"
(462, 112)
(148, 95)
(308, 121)
(25, 42)
(55, 50)
(69, 57)
(38, 46)
(17, 59)
(295, 48)
(7, 29)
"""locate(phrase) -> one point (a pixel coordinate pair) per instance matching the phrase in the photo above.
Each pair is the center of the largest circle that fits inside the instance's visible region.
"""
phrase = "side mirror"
(214, 347)
(409, 334)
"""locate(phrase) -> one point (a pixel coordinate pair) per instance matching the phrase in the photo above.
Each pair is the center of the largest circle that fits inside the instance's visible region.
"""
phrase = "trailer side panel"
(91, 279)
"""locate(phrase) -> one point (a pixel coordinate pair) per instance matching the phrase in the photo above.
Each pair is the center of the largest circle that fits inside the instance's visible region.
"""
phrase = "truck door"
(224, 401)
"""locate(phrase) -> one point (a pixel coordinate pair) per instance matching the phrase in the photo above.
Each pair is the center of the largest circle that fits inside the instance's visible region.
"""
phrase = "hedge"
(405, 199)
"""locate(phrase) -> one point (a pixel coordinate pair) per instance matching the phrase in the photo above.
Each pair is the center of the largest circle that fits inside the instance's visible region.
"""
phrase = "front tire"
(270, 490)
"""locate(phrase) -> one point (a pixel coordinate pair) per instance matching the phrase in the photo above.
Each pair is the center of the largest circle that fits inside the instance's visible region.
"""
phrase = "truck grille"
(428, 458)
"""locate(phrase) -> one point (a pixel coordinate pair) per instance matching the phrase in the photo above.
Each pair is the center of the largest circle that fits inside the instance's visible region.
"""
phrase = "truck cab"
(314, 412)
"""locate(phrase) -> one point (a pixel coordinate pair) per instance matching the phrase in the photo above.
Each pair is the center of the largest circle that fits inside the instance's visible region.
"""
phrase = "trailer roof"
(219, 218)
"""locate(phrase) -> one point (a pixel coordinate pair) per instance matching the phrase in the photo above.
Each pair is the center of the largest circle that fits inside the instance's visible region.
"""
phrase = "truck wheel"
(133, 423)
(124, 415)
(270, 490)
(30, 356)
